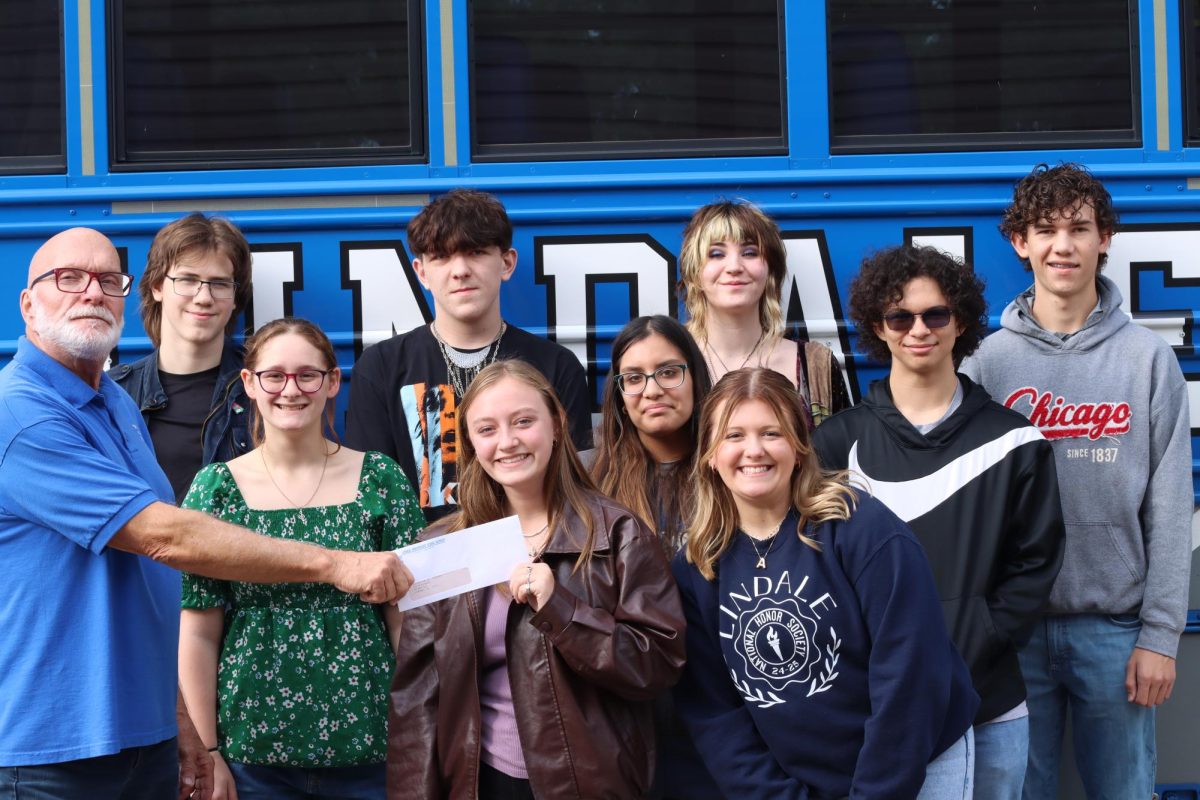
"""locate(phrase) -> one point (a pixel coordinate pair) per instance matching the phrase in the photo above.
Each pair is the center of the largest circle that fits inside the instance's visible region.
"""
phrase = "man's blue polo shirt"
(89, 634)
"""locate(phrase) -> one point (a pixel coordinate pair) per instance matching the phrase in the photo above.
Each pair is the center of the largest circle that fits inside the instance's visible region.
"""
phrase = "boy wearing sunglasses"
(189, 389)
(1111, 398)
(975, 481)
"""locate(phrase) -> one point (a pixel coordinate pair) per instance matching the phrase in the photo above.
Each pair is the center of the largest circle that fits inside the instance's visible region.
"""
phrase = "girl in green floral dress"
(287, 683)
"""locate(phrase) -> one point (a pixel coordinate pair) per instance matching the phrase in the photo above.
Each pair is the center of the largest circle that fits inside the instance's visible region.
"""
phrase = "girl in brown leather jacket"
(542, 687)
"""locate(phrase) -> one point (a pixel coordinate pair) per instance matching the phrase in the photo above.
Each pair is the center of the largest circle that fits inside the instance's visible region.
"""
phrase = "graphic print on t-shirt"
(779, 638)
(433, 435)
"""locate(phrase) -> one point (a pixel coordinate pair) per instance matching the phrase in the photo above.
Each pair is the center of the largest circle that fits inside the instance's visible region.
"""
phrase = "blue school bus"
(321, 128)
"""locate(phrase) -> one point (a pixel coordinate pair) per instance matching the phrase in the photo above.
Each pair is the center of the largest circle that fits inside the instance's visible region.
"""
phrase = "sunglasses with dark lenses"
(900, 320)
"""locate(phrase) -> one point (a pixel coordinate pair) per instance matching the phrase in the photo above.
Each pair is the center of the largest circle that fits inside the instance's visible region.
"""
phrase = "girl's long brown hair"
(623, 468)
(481, 499)
(819, 496)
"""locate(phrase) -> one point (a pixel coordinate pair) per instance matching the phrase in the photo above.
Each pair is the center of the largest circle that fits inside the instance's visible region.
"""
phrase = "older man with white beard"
(90, 542)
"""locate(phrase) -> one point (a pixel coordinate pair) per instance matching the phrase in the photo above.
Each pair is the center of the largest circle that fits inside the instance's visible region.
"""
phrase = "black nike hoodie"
(981, 493)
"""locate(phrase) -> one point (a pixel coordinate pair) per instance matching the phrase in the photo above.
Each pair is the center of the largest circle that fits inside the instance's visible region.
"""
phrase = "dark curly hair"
(1046, 192)
(880, 285)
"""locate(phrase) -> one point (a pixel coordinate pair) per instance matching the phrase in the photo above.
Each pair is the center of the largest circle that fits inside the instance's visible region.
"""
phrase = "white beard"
(80, 342)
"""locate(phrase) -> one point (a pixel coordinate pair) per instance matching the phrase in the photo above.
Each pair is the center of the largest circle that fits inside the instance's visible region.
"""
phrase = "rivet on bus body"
(105, 212)
(1149, 188)
(794, 195)
(825, 195)
(71, 212)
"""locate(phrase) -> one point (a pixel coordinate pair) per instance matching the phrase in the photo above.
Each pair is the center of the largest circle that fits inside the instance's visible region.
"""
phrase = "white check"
(462, 561)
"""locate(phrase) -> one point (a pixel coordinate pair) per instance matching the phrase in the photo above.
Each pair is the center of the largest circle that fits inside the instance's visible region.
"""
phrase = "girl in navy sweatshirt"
(819, 665)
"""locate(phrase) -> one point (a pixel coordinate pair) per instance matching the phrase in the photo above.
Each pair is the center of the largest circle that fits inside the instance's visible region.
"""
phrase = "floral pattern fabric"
(304, 669)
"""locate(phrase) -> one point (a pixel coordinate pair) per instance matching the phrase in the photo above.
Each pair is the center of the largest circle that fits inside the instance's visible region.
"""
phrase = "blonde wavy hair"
(566, 483)
(738, 222)
(818, 496)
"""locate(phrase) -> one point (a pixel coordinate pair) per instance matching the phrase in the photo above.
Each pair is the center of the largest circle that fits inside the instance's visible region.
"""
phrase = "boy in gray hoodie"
(1110, 397)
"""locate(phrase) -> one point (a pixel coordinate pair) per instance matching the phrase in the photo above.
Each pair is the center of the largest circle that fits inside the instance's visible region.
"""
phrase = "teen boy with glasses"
(974, 480)
(1110, 397)
(404, 392)
(189, 389)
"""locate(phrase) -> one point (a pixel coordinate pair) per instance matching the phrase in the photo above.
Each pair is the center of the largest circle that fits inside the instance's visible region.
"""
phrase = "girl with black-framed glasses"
(644, 458)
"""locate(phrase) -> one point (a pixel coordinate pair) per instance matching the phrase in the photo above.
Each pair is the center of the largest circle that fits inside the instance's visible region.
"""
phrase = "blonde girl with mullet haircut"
(818, 663)
(539, 686)
(734, 266)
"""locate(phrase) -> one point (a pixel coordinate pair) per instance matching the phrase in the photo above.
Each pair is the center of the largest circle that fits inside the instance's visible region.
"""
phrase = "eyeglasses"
(190, 287)
(308, 381)
(902, 321)
(669, 376)
(76, 281)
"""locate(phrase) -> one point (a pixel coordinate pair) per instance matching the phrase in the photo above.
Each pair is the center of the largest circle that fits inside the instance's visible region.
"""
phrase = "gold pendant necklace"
(770, 539)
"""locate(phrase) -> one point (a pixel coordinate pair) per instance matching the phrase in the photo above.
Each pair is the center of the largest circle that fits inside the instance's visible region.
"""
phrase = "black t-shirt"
(175, 430)
(402, 404)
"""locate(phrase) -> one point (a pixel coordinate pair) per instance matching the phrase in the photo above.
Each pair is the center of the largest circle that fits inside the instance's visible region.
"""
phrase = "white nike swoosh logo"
(917, 497)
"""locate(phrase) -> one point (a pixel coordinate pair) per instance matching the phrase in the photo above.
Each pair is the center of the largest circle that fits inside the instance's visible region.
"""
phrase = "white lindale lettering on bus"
(273, 270)
(764, 585)
(390, 301)
(386, 291)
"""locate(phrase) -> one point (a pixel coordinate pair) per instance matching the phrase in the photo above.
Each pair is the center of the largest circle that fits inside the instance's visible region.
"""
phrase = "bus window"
(1190, 20)
(212, 83)
(916, 75)
(31, 89)
(625, 78)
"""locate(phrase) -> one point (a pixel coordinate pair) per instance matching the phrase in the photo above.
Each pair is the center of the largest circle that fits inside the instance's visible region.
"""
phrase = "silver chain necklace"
(721, 361)
(534, 552)
(461, 368)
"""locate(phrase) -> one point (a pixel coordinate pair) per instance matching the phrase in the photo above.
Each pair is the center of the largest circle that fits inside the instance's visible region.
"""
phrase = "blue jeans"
(255, 782)
(135, 773)
(951, 776)
(1077, 663)
(1001, 751)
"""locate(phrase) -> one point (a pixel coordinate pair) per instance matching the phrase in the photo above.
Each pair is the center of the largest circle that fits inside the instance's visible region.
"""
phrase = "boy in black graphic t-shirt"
(197, 281)
(404, 391)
